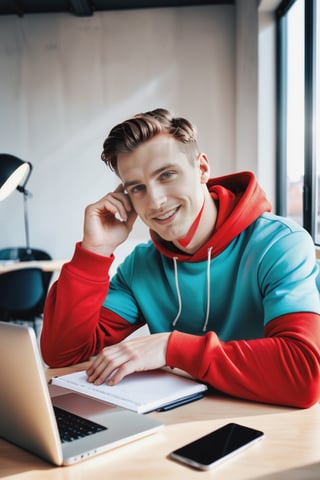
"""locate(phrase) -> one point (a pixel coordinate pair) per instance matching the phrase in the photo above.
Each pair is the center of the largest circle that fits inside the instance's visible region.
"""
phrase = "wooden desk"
(45, 265)
(289, 451)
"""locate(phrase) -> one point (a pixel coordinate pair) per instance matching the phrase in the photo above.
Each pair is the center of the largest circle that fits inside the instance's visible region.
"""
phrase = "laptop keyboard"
(72, 427)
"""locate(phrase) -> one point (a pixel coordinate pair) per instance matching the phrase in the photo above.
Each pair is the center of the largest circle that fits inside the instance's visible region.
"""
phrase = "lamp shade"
(12, 172)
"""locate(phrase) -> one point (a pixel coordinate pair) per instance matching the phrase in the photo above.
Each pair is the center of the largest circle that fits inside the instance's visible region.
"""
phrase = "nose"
(156, 197)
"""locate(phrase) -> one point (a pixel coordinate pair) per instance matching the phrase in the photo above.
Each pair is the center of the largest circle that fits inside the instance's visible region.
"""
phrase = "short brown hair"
(128, 135)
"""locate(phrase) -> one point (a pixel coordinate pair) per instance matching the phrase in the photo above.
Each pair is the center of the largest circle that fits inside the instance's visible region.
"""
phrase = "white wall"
(246, 85)
(266, 167)
(65, 81)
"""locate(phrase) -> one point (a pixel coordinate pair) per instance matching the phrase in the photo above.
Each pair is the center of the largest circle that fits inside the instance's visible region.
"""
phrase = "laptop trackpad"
(84, 406)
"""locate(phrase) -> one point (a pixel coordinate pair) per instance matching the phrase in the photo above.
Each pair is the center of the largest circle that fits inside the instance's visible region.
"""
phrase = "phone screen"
(208, 450)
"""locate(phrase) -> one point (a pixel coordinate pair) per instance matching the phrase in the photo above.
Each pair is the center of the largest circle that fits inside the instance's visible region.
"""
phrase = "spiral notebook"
(141, 392)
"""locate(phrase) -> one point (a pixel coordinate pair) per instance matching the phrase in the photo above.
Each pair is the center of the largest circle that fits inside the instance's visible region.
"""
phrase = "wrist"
(92, 265)
(103, 250)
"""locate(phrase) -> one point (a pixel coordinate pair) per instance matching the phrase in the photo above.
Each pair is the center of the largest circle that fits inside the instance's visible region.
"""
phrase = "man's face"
(165, 187)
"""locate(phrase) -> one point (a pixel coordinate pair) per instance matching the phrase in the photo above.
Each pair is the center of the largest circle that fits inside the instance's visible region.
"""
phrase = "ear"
(204, 167)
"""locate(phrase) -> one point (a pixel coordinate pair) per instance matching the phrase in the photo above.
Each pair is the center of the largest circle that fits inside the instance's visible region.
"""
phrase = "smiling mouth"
(166, 216)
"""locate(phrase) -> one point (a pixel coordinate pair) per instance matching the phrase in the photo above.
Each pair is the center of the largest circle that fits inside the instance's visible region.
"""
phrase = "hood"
(240, 201)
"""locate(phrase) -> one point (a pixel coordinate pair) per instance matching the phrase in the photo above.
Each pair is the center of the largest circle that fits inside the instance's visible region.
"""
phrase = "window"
(298, 144)
(317, 125)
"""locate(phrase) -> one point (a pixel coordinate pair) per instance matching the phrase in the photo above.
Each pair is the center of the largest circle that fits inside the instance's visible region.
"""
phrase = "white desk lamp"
(14, 171)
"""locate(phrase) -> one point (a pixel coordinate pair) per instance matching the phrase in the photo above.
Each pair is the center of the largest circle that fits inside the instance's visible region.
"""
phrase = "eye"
(137, 189)
(167, 175)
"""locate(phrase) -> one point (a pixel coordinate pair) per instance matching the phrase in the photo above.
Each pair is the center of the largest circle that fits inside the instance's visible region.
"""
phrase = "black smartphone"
(207, 451)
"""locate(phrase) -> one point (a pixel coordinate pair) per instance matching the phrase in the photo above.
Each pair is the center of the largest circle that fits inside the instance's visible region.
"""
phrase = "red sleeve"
(283, 368)
(75, 326)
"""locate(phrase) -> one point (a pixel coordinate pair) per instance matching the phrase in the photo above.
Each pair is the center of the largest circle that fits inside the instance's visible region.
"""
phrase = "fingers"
(120, 373)
(134, 355)
(118, 203)
(115, 376)
(108, 222)
(112, 364)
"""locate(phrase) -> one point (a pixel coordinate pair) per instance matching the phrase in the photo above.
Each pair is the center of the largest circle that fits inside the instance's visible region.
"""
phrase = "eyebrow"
(153, 174)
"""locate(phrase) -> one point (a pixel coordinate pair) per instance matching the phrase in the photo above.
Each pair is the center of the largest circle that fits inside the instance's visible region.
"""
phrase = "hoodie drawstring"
(205, 323)
(204, 328)
(178, 291)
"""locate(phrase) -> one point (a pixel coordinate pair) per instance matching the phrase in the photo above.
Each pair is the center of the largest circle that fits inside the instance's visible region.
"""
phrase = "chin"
(171, 233)
(173, 237)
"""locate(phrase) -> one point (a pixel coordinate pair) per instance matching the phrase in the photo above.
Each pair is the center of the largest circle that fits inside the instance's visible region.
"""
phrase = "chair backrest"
(21, 292)
(21, 254)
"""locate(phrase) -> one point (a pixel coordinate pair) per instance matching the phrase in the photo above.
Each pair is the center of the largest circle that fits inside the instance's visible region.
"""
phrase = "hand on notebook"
(135, 355)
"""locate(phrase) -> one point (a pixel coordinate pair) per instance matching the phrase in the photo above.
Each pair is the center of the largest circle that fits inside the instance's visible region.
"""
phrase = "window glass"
(317, 123)
(295, 111)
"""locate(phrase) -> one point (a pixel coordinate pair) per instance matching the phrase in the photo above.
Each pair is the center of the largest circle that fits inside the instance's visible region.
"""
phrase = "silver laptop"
(30, 417)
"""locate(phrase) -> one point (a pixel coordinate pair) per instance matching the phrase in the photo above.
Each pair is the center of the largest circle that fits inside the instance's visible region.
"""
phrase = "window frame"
(309, 181)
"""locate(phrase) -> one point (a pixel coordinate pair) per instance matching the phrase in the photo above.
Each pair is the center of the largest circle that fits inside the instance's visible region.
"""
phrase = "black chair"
(21, 295)
(22, 254)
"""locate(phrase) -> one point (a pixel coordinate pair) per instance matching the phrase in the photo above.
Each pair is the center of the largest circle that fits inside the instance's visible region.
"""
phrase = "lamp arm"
(26, 195)
(26, 222)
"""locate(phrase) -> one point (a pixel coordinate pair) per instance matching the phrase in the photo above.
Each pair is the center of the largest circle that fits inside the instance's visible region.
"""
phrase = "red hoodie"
(76, 327)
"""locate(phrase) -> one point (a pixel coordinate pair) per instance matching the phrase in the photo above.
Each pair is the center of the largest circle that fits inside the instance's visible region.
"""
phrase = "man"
(226, 288)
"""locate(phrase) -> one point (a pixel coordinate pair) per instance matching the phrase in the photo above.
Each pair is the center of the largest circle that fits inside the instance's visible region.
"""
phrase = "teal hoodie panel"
(266, 271)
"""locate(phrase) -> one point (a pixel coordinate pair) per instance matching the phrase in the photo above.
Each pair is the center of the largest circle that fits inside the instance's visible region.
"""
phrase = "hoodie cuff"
(184, 351)
(89, 264)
